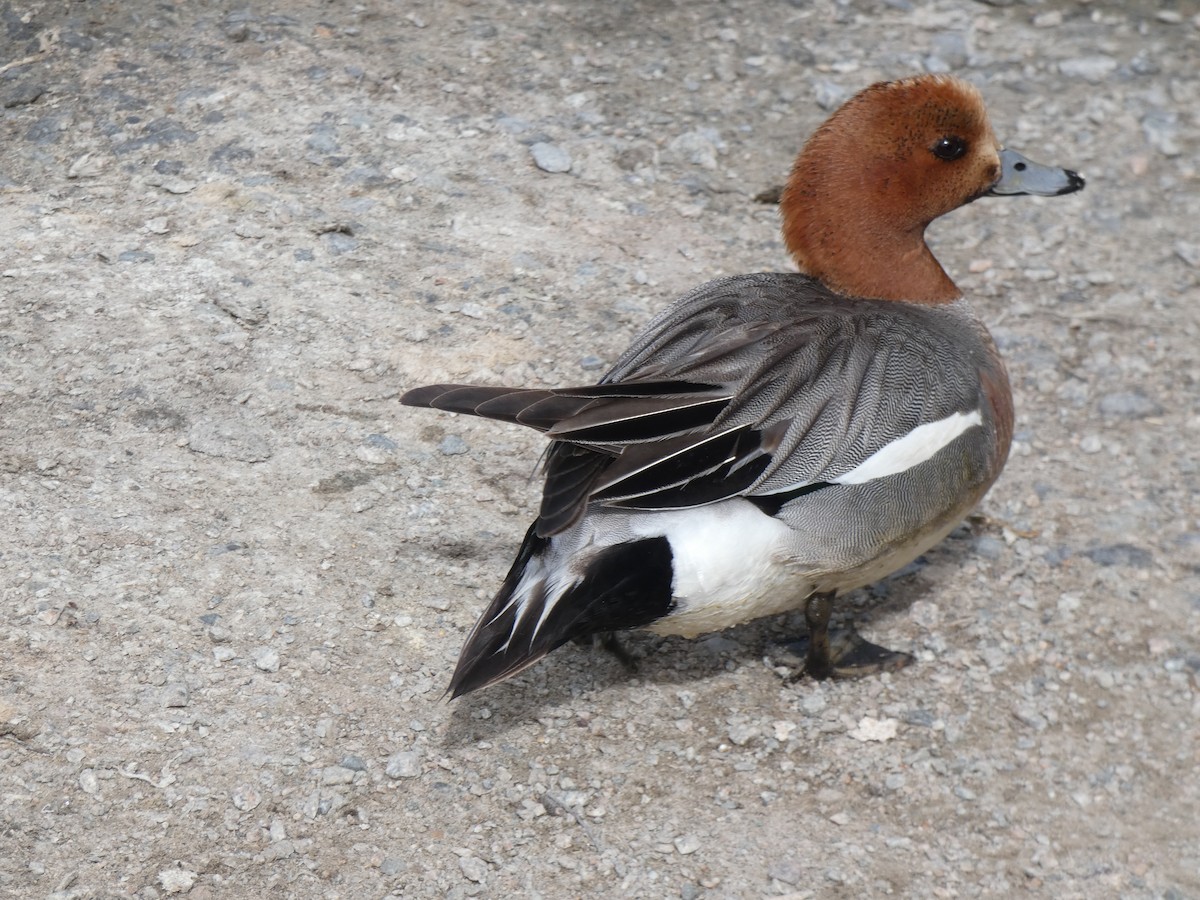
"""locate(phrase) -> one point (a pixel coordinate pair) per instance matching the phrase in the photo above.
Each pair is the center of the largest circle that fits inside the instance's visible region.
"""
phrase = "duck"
(772, 441)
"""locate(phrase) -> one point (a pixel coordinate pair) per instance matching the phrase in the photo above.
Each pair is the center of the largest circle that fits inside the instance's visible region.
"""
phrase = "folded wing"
(756, 385)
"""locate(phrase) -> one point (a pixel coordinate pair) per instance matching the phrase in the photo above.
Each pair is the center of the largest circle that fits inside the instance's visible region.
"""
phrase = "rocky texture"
(236, 573)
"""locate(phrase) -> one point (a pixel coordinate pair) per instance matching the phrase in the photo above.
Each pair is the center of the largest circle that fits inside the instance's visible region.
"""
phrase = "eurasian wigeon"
(773, 440)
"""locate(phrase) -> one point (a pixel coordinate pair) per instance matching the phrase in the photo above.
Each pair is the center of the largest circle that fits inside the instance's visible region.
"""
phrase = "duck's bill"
(1019, 175)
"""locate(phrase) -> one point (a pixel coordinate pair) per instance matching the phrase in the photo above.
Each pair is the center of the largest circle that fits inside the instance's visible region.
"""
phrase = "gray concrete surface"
(236, 574)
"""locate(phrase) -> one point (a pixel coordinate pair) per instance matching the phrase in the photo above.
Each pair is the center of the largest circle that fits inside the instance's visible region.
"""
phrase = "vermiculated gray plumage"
(747, 386)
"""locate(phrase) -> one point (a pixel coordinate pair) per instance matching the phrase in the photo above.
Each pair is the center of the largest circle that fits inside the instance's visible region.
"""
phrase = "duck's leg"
(608, 640)
(847, 654)
(818, 662)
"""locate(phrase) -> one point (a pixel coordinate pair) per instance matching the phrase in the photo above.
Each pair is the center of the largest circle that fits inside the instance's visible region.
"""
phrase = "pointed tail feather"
(503, 403)
(601, 414)
(537, 609)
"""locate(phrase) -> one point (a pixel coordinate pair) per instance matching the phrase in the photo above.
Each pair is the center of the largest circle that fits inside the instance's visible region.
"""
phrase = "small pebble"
(829, 95)
(786, 870)
(338, 243)
(950, 47)
(872, 729)
(331, 775)
(1029, 716)
(405, 764)
(1189, 253)
(687, 844)
(453, 445)
(266, 659)
(177, 880)
(813, 703)
(1129, 405)
(699, 148)
(279, 850)
(1068, 603)
(322, 140)
(742, 734)
(251, 230)
(244, 307)
(473, 868)
(175, 695)
(174, 185)
(246, 797)
(1145, 63)
(1127, 555)
(88, 782)
(1040, 273)
(1093, 69)
(22, 95)
(228, 440)
(392, 866)
(1162, 133)
(922, 718)
(550, 157)
(989, 547)
(373, 454)
(87, 166)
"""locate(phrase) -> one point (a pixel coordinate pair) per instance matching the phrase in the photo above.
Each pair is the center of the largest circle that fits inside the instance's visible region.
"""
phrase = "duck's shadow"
(574, 671)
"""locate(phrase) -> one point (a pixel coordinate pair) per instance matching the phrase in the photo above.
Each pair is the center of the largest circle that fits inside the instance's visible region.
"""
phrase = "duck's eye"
(949, 148)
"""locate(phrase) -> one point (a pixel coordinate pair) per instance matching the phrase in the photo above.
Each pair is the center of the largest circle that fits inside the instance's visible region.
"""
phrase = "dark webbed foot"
(843, 654)
(608, 640)
(853, 656)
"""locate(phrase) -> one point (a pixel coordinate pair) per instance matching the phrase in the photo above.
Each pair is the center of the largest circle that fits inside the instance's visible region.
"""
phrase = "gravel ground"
(236, 574)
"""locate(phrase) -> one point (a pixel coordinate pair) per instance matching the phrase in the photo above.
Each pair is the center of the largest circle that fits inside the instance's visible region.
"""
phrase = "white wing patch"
(920, 444)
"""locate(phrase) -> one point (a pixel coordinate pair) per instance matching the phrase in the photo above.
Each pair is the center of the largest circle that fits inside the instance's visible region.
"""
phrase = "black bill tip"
(1019, 175)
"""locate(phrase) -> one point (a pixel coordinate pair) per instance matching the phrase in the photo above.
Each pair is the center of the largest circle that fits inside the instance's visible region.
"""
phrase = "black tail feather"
(571, 473)
(624, 586)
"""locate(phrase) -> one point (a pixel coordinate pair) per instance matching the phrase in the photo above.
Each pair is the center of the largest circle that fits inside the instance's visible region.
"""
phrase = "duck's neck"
(838, 234)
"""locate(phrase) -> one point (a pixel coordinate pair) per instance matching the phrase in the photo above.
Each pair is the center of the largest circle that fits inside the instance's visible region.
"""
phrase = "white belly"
(731, 566)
